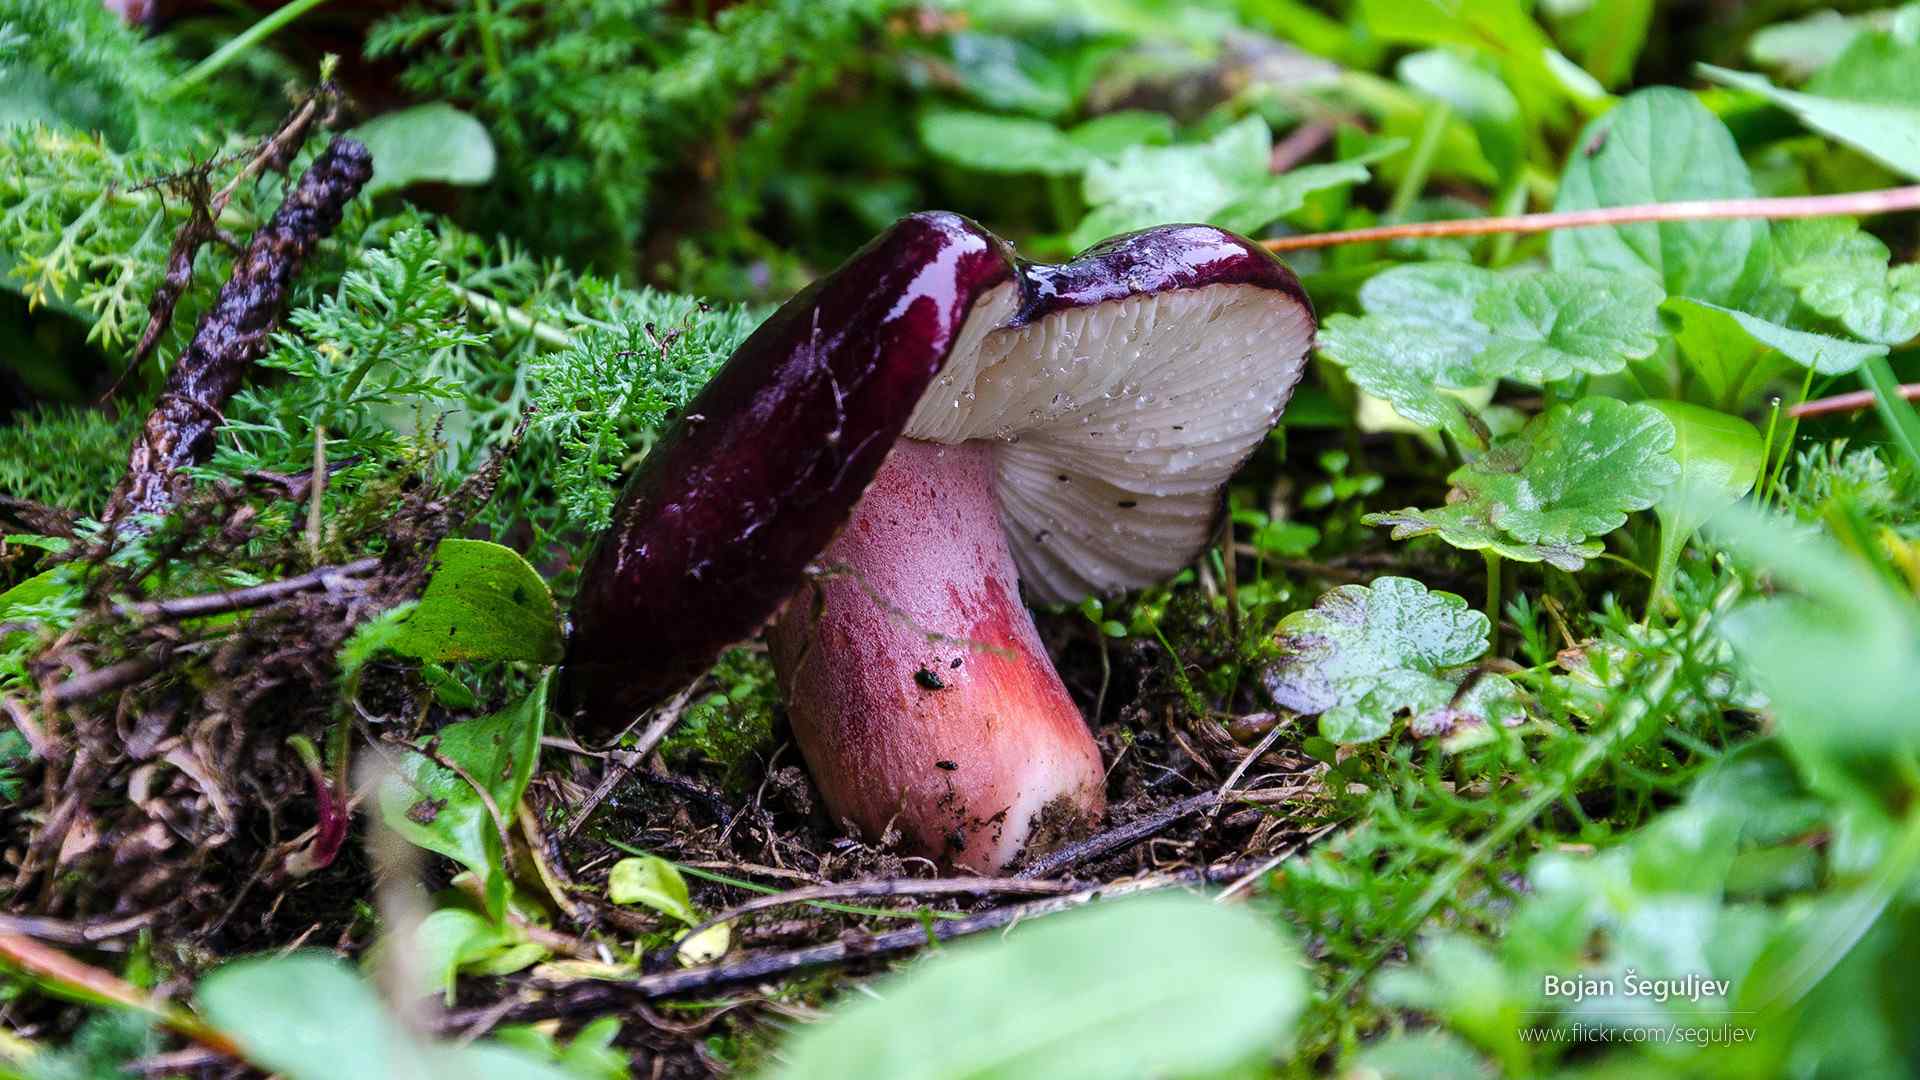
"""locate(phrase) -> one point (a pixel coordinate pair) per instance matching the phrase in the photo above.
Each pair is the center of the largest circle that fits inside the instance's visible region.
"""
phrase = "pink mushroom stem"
(917, 685)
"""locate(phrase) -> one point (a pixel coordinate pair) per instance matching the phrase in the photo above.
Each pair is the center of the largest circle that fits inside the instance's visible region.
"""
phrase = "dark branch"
(190, 607)
(179, 430)
(586, 998)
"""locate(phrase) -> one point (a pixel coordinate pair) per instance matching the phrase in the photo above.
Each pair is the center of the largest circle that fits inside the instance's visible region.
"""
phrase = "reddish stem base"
(919, 691)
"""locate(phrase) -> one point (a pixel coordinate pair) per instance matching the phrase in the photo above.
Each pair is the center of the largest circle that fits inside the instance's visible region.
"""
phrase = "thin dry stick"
(584, 997)
(890, 887)
(1798, 206)
(623, 761)
(253, 596)
(235, 331)
(101, 680)
(1103, 844)
(1260, 748)
(1849, 402)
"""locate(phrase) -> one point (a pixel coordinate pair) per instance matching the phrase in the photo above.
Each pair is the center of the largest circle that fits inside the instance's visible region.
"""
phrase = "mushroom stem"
(917, 685)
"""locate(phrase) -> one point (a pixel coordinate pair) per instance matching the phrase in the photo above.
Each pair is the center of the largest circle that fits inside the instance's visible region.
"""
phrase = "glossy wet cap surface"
(718, 525)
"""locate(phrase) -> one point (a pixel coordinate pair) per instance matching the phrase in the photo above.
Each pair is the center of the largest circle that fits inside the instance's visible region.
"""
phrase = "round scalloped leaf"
(1549, 325)
(1842, 273)
(1573, 472)
(1363, 656)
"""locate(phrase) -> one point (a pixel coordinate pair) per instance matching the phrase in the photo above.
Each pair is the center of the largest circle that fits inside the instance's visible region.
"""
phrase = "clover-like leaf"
(1842, 273)
(1363, 655)
(1409, 363)
(1826, 355)
(1573, 473)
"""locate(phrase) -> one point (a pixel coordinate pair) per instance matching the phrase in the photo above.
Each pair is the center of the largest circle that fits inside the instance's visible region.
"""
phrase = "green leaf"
(1432, 330)
(483, 603)
(1729, 363)
(1661, 145)
(1803, 46)
(1572, 473)
(1826, 355)
(438, 809)
(1422, 1055)
(1478, 96)
(453, 940)
(434, 143)
(1606, 35)
(1362, 656)
(1225, 181)
(38, 589)
(1501, 29)
(1007, 144)
(1841, 644)
(1867, 98)
(1547, 326)
(1899, 414)
(1720, 456)
(1109, 134)
(308, 1016)
(1842, 273)
(1417, 340)
(654, 882)
(1198, 987)
(1468, 529)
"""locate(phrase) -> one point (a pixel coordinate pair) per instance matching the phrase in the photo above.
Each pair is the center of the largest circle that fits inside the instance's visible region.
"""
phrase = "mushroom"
(884, 464)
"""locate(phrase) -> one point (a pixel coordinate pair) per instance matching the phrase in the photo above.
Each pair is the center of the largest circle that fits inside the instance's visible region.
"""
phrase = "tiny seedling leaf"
(434, 143)
(437, 808)
(656, 883)
(1362, 656)
(652, 882)
(1169, 985)
(483, 603)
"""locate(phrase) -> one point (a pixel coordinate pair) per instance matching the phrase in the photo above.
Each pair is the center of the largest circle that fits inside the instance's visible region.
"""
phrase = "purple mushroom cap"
(1120, 390)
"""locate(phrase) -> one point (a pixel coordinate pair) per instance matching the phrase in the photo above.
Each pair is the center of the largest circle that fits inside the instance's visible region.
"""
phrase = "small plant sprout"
(891, 457)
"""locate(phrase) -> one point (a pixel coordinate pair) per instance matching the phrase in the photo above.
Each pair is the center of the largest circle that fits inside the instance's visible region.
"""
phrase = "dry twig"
(179, 430)
(586, 998)
(1797, 206)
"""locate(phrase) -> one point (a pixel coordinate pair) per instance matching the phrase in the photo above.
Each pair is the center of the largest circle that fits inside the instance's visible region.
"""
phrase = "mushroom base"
(918, 688)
